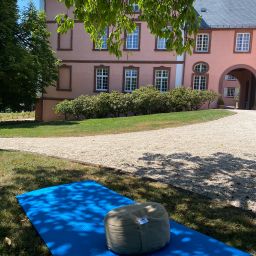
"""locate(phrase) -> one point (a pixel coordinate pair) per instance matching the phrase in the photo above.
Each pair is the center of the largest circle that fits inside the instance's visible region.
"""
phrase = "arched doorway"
(238, 87)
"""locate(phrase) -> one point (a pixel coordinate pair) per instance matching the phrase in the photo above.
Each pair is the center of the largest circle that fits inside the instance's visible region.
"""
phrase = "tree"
(10, 53)
(118, 15)
(27, 62)
(42, 69)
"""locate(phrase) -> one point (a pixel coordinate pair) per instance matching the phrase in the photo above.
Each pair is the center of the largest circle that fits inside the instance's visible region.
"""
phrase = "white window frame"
(200, 79)
(201, 64)
(101, 77)
(104, 38)
(202, 43)
(129, 77)
(134, 39)
(243, 42)
(162, 79)
(231, 92)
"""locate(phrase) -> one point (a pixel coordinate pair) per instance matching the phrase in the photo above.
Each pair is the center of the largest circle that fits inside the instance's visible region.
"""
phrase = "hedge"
(146, 100)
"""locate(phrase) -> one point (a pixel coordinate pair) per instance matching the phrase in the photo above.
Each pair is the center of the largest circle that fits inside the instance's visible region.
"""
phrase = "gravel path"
(216, 159)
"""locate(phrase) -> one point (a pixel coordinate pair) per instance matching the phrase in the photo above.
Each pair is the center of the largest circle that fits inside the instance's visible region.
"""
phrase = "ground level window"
(130, 79)
(200, 82)
(230, 92)
(162, 79)
(101, 79)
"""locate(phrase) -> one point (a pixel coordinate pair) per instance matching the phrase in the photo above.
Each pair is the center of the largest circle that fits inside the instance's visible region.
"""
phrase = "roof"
(227, 13)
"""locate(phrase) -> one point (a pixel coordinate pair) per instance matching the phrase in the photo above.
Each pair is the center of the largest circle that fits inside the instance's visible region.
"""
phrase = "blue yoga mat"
(69, 218)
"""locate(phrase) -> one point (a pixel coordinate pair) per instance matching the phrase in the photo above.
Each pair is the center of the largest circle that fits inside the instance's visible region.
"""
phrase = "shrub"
(64, 108)
(116, 103)
(197, 98)
(84, 107)
(211, 96)
(103, 105)
(179, 99)
(145, 100)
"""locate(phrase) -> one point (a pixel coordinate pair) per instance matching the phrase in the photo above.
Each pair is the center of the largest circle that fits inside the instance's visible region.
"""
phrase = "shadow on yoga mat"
(69, 218)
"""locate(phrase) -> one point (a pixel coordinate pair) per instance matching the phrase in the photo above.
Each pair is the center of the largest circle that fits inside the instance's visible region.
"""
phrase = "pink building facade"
(223, 60)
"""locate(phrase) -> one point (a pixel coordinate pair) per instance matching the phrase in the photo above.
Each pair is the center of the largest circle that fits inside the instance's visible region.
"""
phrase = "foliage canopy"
(119, 16)
(27, 62)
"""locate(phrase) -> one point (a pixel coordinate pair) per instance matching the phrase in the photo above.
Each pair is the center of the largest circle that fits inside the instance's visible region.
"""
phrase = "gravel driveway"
(216, 159)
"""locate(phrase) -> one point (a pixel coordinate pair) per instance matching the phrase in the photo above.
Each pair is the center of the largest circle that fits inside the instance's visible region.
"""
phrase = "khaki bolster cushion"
(137, 229)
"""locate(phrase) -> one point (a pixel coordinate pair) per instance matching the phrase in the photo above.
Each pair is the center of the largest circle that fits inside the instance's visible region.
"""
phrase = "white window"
(201, 68)
(132, 40)
(231, 92)
(200, 82)
(102, 78)
(202, 42)
(104, 38)
(243, 42)
(162, 79)
(230, 78)
(130, 79)
(161, 43)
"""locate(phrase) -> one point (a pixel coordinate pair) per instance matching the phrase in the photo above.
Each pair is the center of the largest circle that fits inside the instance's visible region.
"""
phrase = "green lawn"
(21, 172)
(109, 125)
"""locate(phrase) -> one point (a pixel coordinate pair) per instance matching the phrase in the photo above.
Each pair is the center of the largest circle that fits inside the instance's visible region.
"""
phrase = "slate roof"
(227, 13)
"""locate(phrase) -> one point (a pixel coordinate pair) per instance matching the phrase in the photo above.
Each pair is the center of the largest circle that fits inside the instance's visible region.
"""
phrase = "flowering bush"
(146, 100)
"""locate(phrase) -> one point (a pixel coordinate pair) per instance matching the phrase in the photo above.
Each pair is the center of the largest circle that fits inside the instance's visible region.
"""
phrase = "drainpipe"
(180, 68)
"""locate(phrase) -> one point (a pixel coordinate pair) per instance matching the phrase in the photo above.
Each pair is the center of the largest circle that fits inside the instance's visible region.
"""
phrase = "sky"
(24, 3)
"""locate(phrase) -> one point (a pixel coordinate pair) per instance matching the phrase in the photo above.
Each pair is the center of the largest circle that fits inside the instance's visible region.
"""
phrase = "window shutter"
(237, 91)
(225, 92)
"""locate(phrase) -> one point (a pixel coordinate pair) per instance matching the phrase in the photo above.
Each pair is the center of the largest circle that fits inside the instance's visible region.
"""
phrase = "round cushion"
(137, 229)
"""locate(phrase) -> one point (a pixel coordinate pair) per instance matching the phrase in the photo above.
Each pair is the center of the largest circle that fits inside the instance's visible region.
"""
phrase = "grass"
(14, 116)
(109, 125)
(21, 172)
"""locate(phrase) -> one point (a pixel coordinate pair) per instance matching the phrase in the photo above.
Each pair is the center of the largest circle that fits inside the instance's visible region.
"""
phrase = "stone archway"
(246, 75)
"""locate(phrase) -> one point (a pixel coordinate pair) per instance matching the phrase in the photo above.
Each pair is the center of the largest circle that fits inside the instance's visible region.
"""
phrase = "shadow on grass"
(34, 124)
(226, 223)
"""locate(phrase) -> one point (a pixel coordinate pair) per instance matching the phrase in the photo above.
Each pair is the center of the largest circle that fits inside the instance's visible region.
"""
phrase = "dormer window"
(202, 43)
(243, 41)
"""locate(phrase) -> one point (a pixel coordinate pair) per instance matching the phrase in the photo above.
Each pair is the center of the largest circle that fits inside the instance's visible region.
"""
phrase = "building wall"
(221, 57)
(82, 58)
